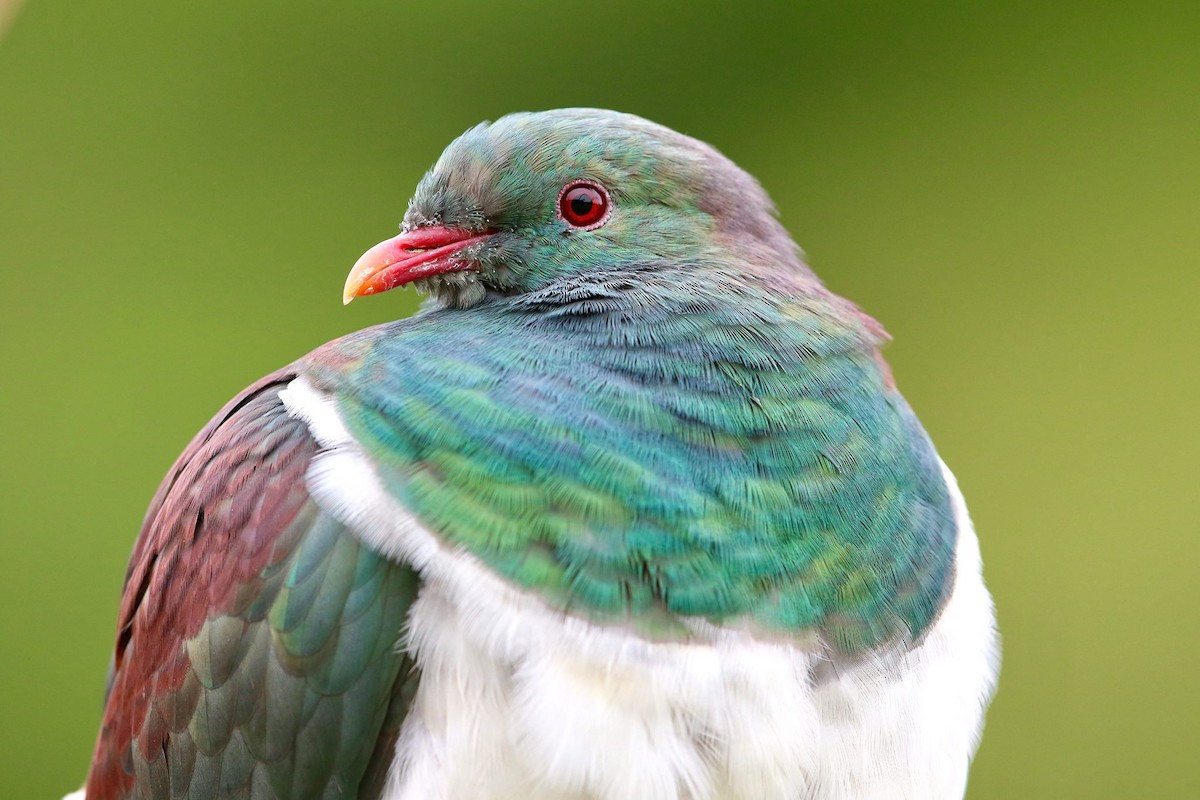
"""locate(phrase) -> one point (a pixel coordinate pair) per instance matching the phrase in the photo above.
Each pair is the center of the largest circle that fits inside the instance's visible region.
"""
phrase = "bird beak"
(412, 255)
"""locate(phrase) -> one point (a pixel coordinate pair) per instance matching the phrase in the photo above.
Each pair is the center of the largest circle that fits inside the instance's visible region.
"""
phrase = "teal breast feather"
(724, 461)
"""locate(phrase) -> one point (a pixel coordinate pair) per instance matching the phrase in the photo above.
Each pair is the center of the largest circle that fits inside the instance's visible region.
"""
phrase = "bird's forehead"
(522, 149)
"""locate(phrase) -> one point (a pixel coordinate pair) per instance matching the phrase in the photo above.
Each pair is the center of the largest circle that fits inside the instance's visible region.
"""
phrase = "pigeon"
(632, 509)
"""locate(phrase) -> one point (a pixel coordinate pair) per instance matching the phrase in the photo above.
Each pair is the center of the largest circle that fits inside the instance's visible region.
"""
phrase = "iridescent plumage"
(656, 460)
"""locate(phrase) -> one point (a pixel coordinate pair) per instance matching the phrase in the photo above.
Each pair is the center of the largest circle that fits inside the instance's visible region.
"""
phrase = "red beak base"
(409, 257)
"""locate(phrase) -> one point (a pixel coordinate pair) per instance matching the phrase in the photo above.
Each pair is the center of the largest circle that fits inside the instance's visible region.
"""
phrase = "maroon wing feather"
(193, 554)
(221, 554)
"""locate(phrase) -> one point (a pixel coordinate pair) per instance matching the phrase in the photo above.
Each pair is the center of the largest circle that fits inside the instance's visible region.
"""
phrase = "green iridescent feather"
(721, 461)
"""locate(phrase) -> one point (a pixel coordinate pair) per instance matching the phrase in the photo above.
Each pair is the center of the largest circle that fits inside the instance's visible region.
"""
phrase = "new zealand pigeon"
(631, 510)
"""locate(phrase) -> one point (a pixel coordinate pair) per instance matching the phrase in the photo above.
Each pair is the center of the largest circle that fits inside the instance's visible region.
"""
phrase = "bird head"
(516, 205)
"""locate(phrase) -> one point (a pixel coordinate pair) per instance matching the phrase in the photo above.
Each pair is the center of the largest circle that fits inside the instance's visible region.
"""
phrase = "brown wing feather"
(216, 549)
(173, 585)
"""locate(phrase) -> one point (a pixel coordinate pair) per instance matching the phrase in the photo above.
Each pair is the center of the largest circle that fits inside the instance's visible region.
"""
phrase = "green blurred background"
(1012, 188)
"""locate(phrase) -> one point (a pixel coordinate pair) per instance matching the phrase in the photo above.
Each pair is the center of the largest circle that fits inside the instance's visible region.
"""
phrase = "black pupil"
(581, 202)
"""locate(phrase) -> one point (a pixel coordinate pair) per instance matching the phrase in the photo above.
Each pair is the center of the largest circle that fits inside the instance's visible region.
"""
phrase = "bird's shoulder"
(256, 635)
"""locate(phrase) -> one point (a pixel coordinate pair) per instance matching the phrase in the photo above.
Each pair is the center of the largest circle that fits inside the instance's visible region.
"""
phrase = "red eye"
(583, 204)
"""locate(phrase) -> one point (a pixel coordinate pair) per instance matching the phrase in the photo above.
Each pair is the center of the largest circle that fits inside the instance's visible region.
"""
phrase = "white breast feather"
(518, 701)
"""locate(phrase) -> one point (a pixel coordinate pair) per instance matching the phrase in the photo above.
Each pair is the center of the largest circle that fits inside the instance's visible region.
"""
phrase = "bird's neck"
(744, 314)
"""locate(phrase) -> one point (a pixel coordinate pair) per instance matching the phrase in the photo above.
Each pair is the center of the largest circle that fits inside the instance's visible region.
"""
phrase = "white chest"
(521, 703)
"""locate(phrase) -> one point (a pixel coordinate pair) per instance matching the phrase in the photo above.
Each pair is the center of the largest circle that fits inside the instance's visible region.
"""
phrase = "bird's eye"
(584, 204)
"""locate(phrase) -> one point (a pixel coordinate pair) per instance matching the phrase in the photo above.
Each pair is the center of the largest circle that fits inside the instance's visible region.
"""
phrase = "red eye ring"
(584, 205)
